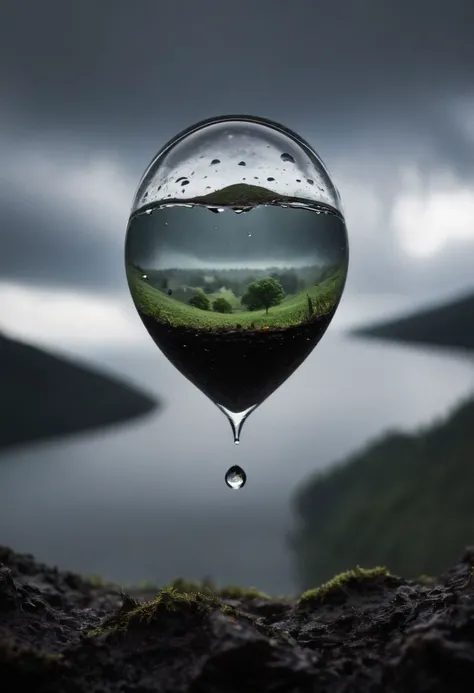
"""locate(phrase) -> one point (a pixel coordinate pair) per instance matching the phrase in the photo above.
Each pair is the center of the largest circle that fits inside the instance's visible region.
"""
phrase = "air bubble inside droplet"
(235, 477)
(287, 157)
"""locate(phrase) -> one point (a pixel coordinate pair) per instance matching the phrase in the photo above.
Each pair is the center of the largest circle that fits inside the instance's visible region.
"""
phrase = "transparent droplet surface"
(236, 301)
(235, 477)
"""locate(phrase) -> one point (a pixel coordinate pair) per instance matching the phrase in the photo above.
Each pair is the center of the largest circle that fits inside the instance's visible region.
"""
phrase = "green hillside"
(449, 325)
(44, 396)
(405, 501)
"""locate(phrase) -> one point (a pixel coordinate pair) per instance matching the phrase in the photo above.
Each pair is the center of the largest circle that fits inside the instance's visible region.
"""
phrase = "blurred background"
(365, 454)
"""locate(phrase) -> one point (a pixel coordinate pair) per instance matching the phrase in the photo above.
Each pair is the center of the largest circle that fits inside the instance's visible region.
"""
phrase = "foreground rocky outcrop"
(364, 631)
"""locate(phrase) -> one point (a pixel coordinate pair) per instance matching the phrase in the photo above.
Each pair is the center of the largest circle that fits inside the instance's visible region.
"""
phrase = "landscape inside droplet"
(237, 299)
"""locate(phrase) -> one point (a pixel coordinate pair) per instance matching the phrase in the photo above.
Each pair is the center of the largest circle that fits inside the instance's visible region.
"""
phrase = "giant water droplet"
(235, 477)
(236, 317)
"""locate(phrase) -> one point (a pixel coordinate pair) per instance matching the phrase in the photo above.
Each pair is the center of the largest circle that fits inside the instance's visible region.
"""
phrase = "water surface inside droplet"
(235, 477)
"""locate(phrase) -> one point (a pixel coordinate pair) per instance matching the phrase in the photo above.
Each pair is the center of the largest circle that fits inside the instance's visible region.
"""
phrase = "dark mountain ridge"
(44, 396)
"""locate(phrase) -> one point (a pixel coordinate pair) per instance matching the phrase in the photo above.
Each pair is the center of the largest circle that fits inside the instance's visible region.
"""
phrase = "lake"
(148, 500)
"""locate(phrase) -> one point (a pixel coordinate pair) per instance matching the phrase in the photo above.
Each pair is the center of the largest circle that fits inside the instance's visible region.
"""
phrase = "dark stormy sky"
(90, 90)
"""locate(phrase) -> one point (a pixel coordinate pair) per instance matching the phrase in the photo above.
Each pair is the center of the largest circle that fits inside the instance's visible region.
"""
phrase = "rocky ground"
(366, 632)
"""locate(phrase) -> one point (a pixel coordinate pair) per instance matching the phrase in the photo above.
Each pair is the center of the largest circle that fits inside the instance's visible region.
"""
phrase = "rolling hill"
(405, 501)
(43, 396)
(450, 325)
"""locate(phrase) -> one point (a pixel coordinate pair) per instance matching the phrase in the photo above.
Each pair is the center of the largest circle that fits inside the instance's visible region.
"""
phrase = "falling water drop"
(235, 477)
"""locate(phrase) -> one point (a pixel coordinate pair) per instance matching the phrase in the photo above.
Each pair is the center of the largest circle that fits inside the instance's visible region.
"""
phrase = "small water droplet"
(208, 187)
(148, 211)
(249, 235)
(146, 195)
(255, 177)
(242, 163)
(311, 182)
(270, 179)
(235, 477)
(180, 178)
(214, 162)
(287, 157)
(216, 210)
(185, 182)
(298, 180)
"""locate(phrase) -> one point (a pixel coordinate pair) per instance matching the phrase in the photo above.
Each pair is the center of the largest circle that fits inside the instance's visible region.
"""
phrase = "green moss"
(168, 600)
(425, 580)
(235, 592)
(27, 664)
(349, 579)
(95, 580)
(208, 588)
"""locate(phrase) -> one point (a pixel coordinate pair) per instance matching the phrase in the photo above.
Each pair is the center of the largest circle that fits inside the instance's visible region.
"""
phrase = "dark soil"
(237, 368)
(380, 634)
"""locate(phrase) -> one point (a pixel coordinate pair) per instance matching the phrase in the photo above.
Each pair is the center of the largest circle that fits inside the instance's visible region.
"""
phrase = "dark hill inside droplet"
(237, 369)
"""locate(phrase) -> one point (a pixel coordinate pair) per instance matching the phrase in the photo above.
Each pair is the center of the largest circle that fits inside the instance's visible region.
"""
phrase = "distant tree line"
(260, 294)
(291, 280)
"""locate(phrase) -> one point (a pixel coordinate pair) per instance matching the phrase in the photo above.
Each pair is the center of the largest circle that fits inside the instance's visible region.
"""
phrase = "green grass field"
(293, 310)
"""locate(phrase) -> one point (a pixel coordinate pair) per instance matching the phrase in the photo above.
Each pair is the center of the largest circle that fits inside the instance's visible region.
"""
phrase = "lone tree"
(263, 293)
(221, 305)
(200, 300)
